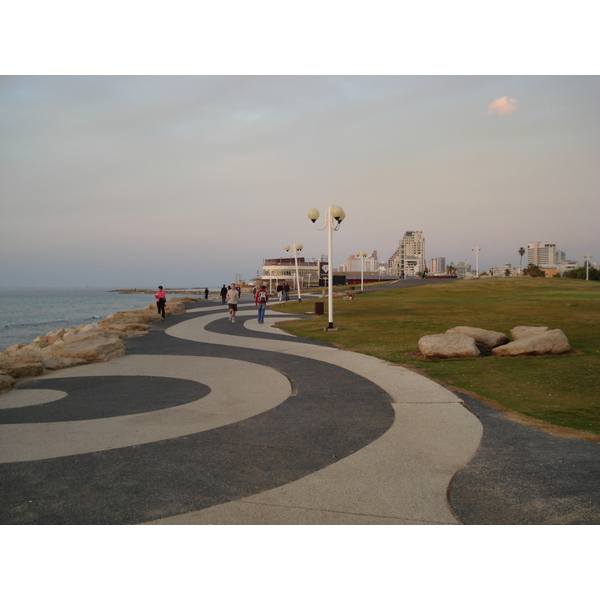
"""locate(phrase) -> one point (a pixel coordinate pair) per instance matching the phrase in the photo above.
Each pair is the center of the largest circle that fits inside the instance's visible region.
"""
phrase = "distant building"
(437, 266)
(354, 263)
(567, 265)
(462, 268)
(542, 255)
(409, 258)
(277, 270)
(512, 271)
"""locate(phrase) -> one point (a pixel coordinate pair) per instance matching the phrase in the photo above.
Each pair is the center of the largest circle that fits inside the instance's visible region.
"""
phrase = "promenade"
(205, 421)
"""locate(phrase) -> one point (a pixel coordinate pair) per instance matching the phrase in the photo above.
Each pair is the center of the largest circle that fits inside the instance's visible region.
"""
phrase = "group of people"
(230, 296)
(283, 291)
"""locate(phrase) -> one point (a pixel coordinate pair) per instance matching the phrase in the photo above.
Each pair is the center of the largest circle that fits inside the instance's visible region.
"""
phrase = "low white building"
(567, 265)
(278, 270)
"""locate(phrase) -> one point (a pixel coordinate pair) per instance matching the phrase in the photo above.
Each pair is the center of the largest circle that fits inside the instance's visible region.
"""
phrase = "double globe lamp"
(333, 219)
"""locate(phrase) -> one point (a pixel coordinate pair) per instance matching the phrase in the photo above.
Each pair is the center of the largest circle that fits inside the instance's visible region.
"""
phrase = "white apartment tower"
(410, 256)
(542, 255)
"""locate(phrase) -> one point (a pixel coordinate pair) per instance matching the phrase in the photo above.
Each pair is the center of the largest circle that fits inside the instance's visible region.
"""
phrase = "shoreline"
(70, 347)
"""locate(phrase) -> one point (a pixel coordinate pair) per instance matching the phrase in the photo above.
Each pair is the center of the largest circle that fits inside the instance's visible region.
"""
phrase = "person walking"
(232, 300)
(206, 294)
(286, 291)
(161, 300)
(223, 294)
(279, 292)
(260, 300)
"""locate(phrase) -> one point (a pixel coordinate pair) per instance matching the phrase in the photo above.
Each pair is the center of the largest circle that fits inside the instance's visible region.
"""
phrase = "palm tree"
(521, 252)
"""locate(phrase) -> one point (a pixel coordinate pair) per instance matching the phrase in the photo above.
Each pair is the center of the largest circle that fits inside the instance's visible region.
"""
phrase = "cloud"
(503, 106)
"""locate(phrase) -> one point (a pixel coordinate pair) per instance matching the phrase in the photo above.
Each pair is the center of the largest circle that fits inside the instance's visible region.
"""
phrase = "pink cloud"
(503, 106)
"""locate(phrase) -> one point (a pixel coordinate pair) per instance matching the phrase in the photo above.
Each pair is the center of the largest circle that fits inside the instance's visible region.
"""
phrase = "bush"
(594, 274)
(534, 271)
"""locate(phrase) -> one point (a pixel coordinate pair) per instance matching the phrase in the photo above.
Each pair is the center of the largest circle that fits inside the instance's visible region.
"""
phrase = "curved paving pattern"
(327, 414)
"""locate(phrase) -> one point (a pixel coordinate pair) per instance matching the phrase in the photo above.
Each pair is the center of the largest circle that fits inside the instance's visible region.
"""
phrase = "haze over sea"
(26, 313)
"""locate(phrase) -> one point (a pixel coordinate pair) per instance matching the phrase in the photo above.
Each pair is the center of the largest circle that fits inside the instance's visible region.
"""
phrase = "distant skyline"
(135, 181)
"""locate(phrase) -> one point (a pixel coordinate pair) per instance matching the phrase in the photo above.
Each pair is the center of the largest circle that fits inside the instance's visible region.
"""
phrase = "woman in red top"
(161, 300)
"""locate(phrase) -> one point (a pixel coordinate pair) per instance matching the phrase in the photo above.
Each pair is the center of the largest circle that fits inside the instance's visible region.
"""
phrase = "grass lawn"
(553, 392)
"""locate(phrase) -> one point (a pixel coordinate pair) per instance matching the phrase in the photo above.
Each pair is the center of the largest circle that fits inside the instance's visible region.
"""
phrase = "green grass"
(560, 390)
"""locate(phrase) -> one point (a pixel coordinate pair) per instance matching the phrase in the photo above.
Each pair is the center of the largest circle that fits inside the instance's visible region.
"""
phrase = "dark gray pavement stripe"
(524, 476)
(102, 397)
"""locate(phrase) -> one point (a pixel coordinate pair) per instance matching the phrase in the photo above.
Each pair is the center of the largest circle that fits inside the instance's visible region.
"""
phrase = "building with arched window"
(278, 270)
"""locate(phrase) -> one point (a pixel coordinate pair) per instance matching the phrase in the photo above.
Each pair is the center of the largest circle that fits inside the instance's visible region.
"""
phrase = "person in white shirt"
(232, 300)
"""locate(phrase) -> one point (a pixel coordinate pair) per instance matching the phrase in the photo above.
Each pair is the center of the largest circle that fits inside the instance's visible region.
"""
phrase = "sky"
(189, 180)
(133, 159)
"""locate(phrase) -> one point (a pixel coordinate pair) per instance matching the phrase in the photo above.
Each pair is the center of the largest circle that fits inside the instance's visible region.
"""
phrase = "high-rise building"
(542, 254)
(410, 256)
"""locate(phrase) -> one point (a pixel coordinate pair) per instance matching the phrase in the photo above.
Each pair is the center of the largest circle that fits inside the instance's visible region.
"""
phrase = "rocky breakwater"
(98, 342)
(466, 342)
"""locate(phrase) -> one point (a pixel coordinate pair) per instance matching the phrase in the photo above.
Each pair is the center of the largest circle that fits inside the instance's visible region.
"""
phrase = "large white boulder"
(521, 332)
(484, 338)
(552, 341)
(448, 345)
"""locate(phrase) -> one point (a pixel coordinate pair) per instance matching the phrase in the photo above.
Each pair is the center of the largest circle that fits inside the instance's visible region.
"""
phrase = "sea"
(26, 313)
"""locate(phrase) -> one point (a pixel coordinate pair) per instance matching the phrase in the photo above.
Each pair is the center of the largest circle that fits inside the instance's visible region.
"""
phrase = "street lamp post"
(362, 255)
(587, 265)
(476, 250)
(333, 220)
(297, 247)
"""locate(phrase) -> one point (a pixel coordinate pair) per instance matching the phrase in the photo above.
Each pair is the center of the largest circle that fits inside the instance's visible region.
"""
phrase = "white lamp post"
(476, 250)
(333, 219)
(297, 248)
(587, 265)
(362, 255)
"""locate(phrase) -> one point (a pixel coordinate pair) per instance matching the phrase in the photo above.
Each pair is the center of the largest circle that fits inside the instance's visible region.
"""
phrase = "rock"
(98, 349)
(519, 333)
(75, 337)
(448, 345)
(127, 330)
(41, 341)
(54, 336)
(20, 367)
(14, 349)
(6, 383)
(485, 339)
(174, 308)
(150, 314)
(92, 327)
(123, 317)
(543, 342)
(52, 364)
